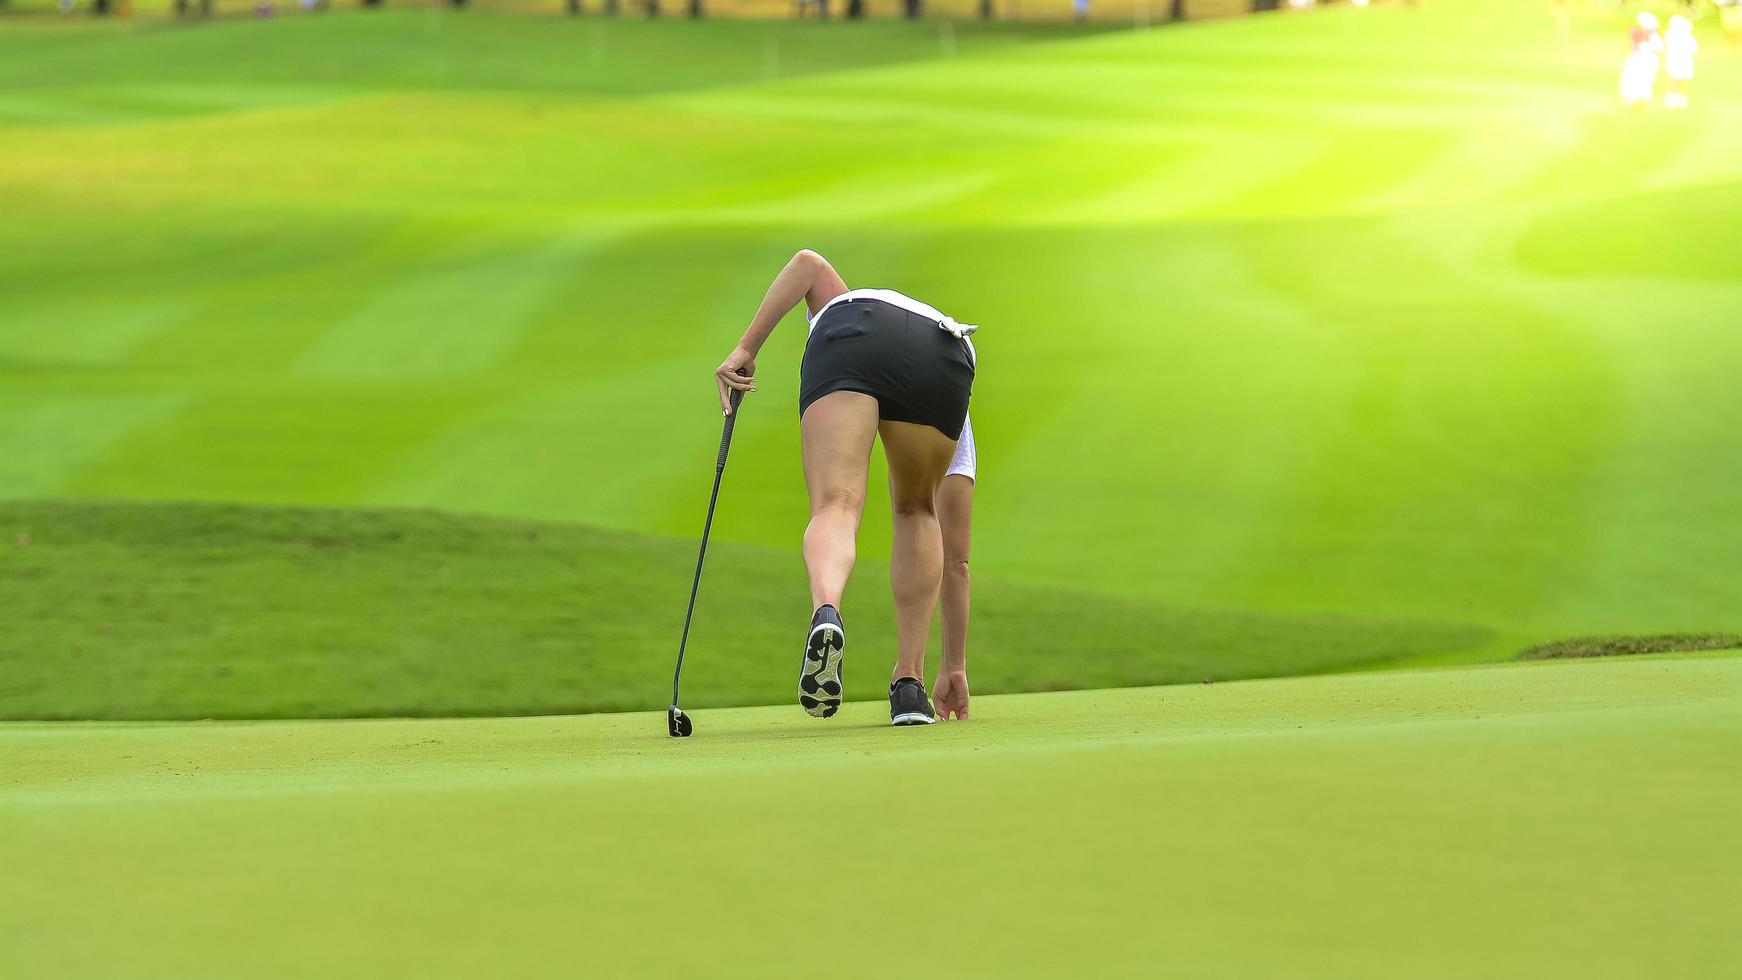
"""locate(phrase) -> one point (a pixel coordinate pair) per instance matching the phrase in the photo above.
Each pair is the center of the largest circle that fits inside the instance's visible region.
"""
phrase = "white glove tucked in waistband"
(957, 330)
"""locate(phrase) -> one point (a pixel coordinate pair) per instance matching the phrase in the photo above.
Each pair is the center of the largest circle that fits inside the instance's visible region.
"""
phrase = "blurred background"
(356, 360)
(1128, 12)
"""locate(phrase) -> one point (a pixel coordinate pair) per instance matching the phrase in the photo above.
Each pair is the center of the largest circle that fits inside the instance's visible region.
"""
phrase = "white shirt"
(1681, 46)
(964, 462)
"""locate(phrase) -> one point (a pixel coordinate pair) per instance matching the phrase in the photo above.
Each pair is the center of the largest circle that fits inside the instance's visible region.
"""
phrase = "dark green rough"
(163, 611)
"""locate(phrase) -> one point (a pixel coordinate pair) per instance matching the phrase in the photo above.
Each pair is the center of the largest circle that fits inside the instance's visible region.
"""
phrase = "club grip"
(734, 399)
(726, 439)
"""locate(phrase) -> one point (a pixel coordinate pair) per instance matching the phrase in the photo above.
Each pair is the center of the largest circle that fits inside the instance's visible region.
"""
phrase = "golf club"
(678, 724)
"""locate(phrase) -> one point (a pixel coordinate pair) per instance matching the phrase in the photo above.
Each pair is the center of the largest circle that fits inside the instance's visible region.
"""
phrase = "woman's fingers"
(726, 378)
(950, 704)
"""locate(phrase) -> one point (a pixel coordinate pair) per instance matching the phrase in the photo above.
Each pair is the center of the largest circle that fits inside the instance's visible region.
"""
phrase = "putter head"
(677, 723)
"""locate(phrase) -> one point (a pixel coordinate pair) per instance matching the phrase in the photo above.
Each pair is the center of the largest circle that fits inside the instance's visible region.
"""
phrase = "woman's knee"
(914, 505)
(841, 499)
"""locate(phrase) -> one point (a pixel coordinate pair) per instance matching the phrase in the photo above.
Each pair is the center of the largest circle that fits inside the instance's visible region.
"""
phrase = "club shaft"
(701, 555)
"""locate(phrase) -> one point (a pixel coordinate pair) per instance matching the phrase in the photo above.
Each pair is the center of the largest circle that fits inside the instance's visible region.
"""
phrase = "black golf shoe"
(908, 704)
(819, 677)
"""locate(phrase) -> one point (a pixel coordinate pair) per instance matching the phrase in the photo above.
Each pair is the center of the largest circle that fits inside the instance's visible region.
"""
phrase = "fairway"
(1384, 314)
(1544, 820)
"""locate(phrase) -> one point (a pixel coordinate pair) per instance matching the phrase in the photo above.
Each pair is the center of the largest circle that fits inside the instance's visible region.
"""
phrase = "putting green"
(1385, 313)
(1543, 820)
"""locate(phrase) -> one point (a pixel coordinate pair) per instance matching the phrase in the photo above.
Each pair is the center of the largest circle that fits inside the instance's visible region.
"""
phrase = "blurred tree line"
(820, 9)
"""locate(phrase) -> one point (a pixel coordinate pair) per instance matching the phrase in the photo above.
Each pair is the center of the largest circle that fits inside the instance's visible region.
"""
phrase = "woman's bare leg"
(956, 519)
(837, 430)
(918, 456)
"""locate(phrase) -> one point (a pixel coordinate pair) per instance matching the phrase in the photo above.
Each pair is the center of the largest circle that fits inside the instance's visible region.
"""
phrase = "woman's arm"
(808, 276)
(956, 517)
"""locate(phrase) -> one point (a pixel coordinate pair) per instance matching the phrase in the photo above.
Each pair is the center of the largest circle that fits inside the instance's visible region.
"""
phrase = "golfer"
(877, 364)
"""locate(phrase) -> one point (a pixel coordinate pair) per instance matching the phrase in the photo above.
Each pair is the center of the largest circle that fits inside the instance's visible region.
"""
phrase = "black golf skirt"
(917, 371)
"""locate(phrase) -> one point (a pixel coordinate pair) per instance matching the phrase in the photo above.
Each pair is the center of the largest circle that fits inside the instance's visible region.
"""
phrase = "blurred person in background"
(1639, 71)
(1679, 47)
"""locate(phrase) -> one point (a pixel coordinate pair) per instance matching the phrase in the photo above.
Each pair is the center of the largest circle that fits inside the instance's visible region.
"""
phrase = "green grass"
(123, 611)
(1311, 343)
(172, 69)
(1543, 820)
(1368, 314)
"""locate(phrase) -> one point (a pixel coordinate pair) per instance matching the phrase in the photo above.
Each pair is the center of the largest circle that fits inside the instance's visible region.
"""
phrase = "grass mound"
(1615, 646)
(136, 610)
(1407, 824)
